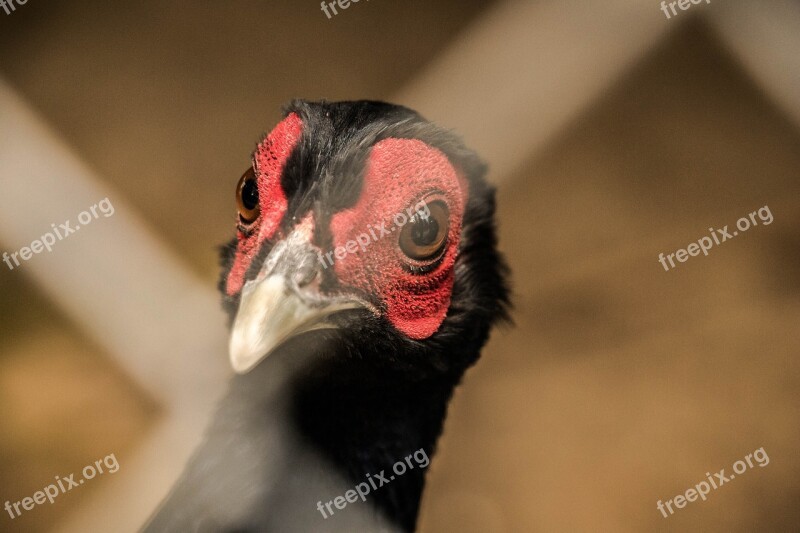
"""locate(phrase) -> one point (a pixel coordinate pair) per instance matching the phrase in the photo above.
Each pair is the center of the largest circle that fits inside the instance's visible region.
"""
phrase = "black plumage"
(328, 407)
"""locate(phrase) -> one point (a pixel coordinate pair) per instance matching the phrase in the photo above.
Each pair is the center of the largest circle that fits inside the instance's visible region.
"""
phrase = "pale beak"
(270, 313)
(284, 301)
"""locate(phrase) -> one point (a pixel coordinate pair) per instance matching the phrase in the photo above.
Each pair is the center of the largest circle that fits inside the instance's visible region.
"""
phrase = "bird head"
(366, 225)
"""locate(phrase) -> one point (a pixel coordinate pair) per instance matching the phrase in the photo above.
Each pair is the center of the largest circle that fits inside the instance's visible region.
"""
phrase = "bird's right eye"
(247, 197)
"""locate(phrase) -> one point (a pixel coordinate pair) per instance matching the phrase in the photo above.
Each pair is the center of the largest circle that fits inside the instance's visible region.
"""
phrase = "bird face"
(352, 219)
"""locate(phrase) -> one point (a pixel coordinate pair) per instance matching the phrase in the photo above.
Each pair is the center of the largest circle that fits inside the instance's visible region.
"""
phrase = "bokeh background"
(613, 134)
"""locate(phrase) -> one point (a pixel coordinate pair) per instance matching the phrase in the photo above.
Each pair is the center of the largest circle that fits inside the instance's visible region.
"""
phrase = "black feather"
(351, 401)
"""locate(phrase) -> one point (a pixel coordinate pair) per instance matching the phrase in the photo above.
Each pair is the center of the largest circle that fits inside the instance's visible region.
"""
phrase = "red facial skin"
(270, 159)
(399, 174)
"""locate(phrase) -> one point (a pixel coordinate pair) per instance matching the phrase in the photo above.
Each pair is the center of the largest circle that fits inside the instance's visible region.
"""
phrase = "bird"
(363, 281)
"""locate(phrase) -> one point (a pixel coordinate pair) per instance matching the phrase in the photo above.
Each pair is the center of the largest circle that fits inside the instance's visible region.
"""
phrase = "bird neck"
(372, 423)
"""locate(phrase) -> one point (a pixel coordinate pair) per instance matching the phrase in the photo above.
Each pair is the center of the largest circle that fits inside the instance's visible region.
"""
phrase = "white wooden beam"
(127, 291)
(524, 70)
(765, 37)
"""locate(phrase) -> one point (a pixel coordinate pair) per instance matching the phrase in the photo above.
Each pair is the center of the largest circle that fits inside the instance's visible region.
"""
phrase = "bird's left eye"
(423, 238)
(247, 197)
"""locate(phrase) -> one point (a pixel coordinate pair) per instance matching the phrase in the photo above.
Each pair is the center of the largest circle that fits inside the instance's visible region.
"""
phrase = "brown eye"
(423, 238)
(247, 197)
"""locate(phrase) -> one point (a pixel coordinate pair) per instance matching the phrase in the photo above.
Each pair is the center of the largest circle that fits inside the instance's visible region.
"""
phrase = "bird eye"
(247, 197)
(423, 238)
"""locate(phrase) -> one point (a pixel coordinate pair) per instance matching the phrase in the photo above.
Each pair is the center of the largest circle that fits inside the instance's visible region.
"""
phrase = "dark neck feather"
(365, 420)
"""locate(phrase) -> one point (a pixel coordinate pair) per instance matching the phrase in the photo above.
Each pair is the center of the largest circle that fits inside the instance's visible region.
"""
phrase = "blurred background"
(613, 134)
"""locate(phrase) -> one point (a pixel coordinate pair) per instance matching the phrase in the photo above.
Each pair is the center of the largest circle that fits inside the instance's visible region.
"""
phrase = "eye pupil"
(250, 194)
(425, 231)
(425, 236)
(247, 197)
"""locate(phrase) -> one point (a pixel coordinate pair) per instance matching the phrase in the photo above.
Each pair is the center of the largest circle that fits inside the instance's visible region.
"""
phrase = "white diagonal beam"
(765, 37)
(522, 72)
(113, 277)
(127, 291)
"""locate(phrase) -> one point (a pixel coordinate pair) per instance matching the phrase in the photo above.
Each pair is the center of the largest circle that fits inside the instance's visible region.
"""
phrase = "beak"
(270, 313)
(283, 301)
